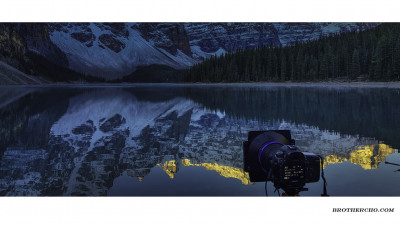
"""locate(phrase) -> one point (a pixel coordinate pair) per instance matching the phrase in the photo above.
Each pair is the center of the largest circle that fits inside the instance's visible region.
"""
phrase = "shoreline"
(324, 84)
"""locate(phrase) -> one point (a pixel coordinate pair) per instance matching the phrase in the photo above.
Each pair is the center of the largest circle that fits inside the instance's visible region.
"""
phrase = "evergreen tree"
(283, 69)
(355, 65)
(396, 60)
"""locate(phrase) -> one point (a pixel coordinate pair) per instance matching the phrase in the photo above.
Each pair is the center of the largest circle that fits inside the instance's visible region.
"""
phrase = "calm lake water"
(176, 140)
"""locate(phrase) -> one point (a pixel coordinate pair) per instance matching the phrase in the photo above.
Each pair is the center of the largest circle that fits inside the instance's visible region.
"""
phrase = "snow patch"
(107, 63)
(200, 54)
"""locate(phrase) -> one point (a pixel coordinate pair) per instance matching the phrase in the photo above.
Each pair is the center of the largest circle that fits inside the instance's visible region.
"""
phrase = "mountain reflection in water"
(92, 141)
(364, 156)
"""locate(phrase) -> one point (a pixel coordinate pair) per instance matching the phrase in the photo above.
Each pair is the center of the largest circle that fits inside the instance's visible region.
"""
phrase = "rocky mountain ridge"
(114, 50)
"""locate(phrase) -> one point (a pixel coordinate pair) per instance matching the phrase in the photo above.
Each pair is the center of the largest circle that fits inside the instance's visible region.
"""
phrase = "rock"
(84, 37)
(118, 29)
(111, 42)
(211, 37)
(168, 36)
(84, 129)
(112, 123)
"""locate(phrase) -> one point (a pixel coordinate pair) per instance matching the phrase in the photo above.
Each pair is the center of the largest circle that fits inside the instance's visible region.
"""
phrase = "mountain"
(114, 50)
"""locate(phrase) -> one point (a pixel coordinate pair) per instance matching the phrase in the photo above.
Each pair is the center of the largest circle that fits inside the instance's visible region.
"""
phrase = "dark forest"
(371, 55)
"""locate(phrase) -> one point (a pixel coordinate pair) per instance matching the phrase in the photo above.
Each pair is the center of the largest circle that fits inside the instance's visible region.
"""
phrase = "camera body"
(272, 156)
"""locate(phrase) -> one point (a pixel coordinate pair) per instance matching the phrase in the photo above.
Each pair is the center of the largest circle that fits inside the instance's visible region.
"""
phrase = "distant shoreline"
(326, 84)
(395, 84)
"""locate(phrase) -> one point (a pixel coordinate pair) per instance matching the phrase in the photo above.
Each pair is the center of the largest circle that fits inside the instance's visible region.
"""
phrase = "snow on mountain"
(199, 54)
(212, 38)
(289, 33)
(114, 55)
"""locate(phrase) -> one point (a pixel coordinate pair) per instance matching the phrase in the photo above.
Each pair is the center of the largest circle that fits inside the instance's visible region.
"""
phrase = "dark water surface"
(176, 140)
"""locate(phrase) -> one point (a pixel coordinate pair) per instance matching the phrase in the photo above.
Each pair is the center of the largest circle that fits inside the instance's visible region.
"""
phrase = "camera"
(273, 156)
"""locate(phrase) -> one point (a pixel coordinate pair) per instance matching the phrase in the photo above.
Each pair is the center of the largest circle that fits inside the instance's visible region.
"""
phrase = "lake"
(186, 140)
